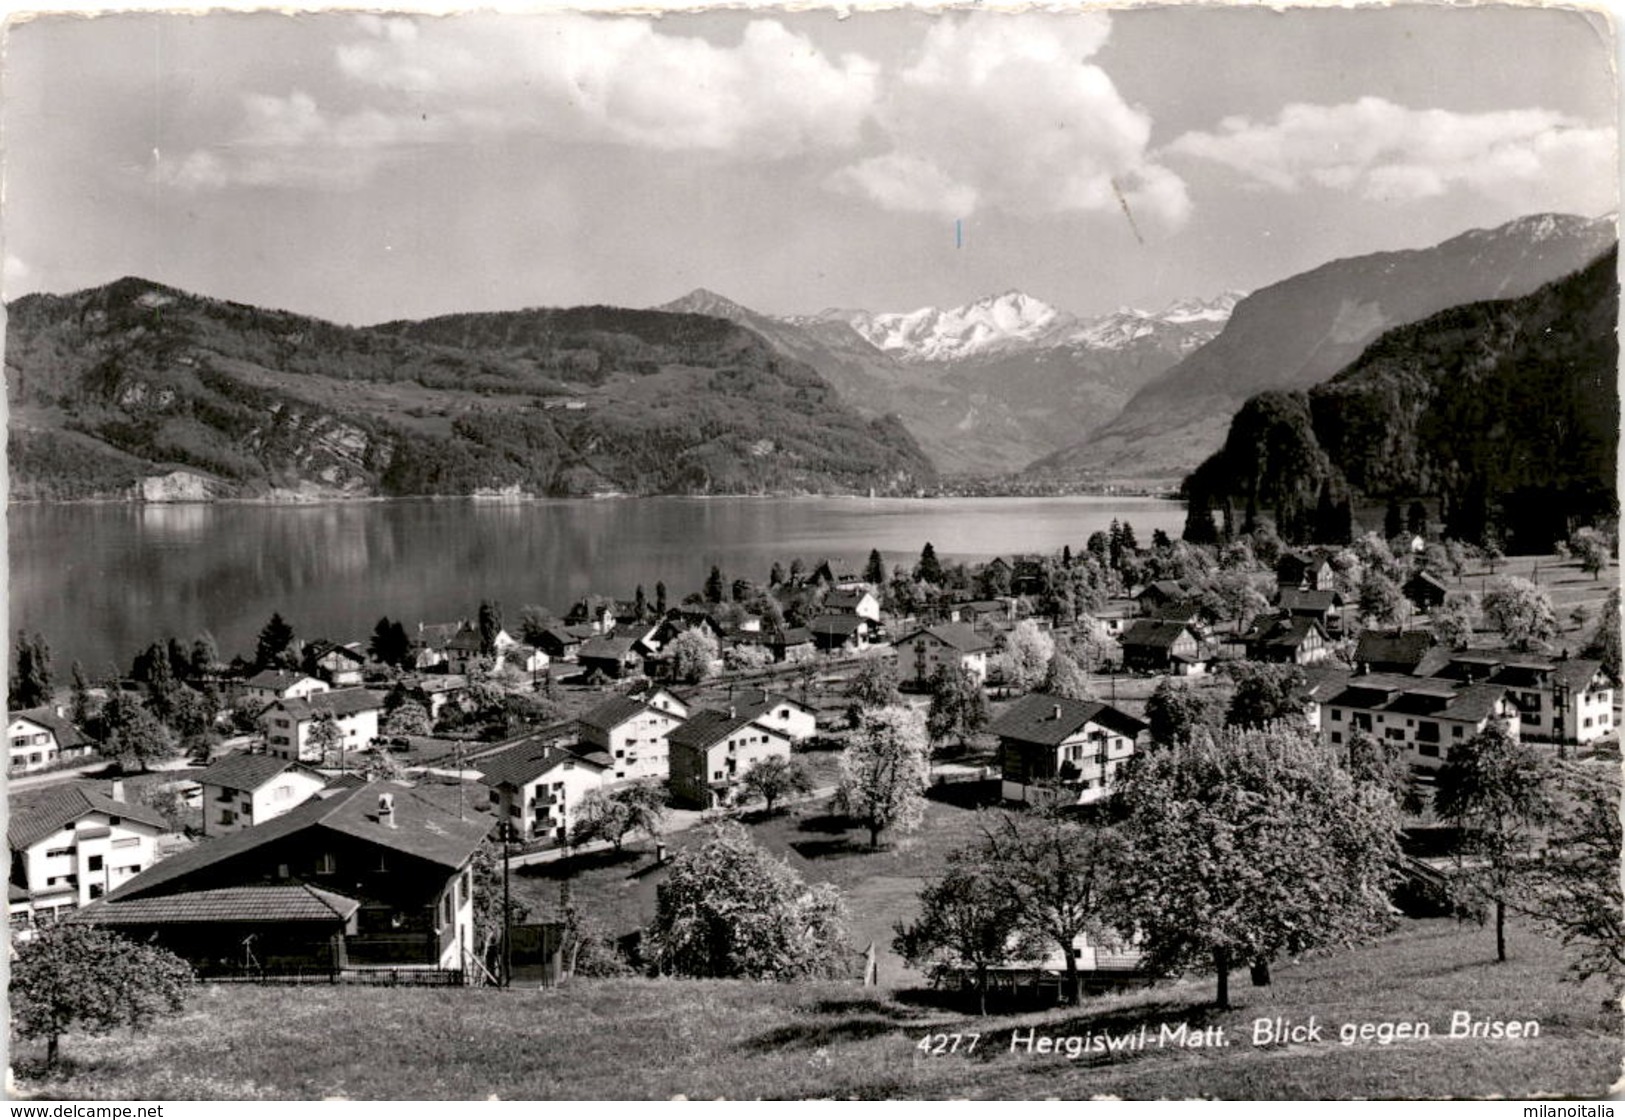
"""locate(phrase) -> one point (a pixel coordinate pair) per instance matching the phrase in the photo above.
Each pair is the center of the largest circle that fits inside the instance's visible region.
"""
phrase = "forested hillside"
(133, 380)
(1505, 412)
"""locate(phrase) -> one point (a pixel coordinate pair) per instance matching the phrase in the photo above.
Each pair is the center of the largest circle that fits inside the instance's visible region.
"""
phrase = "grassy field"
(637, 1039)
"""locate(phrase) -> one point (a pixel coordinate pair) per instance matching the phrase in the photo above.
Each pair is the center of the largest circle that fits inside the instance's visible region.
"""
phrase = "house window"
(227, 816)
(1428, 750)
(1337, 715)
(97, 890)
(1455, 732)
(1427, 731)
(1337, 736)
(95, 863)
(326, 864)
(55, 852)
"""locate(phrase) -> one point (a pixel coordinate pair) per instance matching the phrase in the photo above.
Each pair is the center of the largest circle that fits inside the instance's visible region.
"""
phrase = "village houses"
(537, 787)
(71, 844)
(39, 738)
(1052, 746)
(288, 723)
(242, 790)
(634, 736)
(950, 644)
(714, 750)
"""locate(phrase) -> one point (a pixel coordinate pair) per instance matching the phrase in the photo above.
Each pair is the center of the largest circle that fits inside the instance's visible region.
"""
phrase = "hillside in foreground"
(653, 1039)
(116, 386)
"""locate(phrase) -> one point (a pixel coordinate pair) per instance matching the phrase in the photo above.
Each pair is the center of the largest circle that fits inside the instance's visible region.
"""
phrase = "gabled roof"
(708, 726)
(293, 903)
(847, 597)
(791, 636)
(467, 639)
(248, 771)
(67, 735)
(614, 649)
(1165, 588)
(1154, 633)
(523, 764)
(437, 634)
(1051, 720)
(760, 703)
(1402, 648)
(1175, 610)
(1286, 633)
(563, 635)
(318, 650)
(1296, 599)
(954, 635)
(425, 826)
(339, 701)
(843, 625)
(617, 710)
(39, 813)
(278, 680)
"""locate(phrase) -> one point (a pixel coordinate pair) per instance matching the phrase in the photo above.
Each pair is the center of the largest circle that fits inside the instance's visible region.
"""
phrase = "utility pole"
(507, 911)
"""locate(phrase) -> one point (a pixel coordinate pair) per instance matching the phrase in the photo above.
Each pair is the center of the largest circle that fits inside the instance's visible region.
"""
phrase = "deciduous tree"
(1591, 548)
(613, 815)
(1176, 710)
(885, 771)
(729, 909)
(969, 918)
(134, 736)
(872, 685)
(327, 736)
(1520, 611)
(75, 976)
(1455, 619)
(1573, 892)
(1496, 791)
(1026, 656)
(1056, 868)
(958, 704)
(1224, 841)
(1065, 678)
(773, 778)
(694, 654)
(1264, 693)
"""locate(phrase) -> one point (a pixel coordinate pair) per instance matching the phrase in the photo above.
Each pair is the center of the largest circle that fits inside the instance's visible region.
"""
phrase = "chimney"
(61, 712)
(1055, 712)
(386, 810)
(118, 789)
(732, 712)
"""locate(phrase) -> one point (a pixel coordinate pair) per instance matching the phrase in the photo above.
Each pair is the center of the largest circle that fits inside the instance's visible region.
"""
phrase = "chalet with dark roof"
(778, 711)
(1306, 570)
(537, 787)
(1155, 646)
(614, 657)
(1159, 593)
(1325, 607)
(840, 633)
(712, 752)
(1425, 590)
(858, 601)
(242, 790)
(339, 665)
(379, 875)
(1055, 748)
(73, 843)
(1392, 651)
(1287, 640)
(791, 644)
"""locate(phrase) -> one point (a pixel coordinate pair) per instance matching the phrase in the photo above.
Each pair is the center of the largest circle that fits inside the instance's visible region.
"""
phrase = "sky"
(362, 169)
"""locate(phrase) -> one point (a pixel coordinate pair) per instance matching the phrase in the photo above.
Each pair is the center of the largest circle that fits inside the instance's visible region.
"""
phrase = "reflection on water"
(100, 581)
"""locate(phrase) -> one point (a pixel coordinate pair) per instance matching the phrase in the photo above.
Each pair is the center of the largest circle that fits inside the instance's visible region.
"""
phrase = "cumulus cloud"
(1389, 152)
(567, 76)
(1010, 114)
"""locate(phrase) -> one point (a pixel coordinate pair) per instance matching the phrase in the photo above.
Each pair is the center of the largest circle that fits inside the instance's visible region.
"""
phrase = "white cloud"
(1389, 152)
(1008, 113)
(18, 278)
(567, 76)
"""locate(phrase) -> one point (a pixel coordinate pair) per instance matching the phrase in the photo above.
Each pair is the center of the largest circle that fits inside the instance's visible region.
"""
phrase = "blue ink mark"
(959, 233)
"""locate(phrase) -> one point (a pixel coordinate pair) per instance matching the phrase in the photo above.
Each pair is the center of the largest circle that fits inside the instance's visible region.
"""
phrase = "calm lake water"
(102, 581)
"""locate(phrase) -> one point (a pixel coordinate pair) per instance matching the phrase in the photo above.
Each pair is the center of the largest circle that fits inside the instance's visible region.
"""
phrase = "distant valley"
(988, 387)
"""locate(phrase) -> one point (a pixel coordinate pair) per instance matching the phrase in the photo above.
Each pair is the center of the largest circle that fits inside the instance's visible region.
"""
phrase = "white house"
(1559, 699)
(714, 750)
(243, 790)
(538, 786)
(921, 653)
(1053, 745)
(1425, 717)
(633, 734)
(71, 844)
(666, 700)
(775, 710)
(278, 684)
(41, 737)
(287, 723)
(859, 601)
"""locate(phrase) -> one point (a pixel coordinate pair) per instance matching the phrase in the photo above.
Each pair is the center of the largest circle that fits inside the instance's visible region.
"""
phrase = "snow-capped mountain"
(1016, 321)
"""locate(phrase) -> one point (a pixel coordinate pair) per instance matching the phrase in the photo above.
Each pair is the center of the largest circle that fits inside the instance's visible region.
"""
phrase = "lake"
(101, 581)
